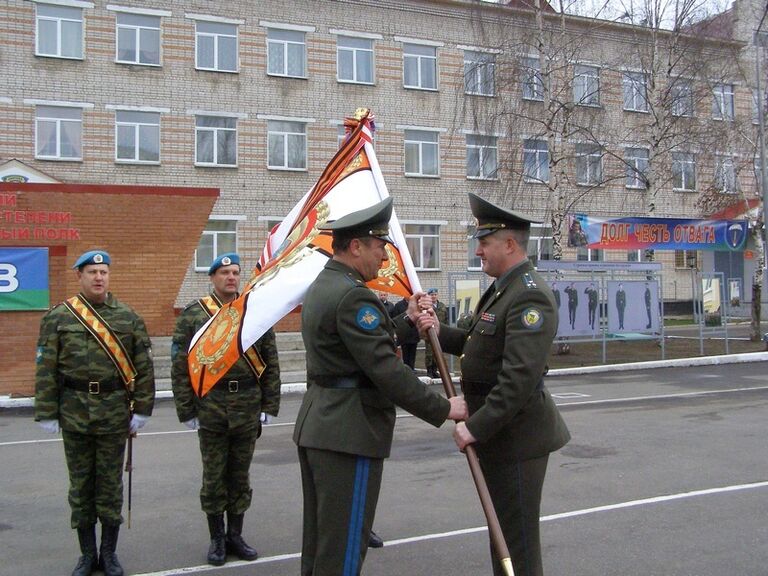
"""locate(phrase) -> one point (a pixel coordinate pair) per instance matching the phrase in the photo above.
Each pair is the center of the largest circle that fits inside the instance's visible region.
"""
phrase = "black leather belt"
(234, 385)
(93, 386)
(481, 388)
(342, 382)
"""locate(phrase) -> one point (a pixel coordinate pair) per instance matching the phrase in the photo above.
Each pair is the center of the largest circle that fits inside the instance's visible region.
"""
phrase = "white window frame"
(418, 238)
(136, 30)
(217, 132)
(635, 255)
(679, 161)
(287, 137)
(540, 236)
(586, 85)
(410, 141)
(541, 174)
(139, 128)
(723, 104)
(356, 52)
(486, 147)
(204, 267)
(589, 254)
(683, 257)
(479, 67)
(725, 174)
(58, 122)
(217, 39)
(636, 167)
(284, 44)
(59, 21)
(531, 80)
(589, 162)
(681, 93)
(635, 91)
(410, 53)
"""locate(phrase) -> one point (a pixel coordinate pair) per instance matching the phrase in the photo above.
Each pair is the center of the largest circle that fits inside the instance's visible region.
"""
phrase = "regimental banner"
(634, 233)
(24, 279)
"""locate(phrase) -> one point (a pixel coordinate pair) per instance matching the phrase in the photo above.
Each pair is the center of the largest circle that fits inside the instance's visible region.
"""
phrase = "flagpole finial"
(361, 113)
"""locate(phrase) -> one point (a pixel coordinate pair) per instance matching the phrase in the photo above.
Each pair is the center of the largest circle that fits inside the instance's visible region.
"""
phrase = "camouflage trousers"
(226, 470)
(95, 464)
(429, 357)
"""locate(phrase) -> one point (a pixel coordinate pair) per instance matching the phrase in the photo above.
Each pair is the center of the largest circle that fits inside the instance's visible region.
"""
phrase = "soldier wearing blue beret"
(354, 382)
(93, 360)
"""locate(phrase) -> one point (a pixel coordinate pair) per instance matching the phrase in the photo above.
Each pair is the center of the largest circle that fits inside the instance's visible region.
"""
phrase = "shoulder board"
(529, 281)
(352, 280)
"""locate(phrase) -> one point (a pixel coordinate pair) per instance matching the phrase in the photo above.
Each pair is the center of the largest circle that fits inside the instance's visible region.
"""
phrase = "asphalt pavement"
(666, 475)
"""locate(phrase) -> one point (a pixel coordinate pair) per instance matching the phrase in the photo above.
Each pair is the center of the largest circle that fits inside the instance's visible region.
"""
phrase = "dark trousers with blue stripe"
(515, 487)
(340, 495)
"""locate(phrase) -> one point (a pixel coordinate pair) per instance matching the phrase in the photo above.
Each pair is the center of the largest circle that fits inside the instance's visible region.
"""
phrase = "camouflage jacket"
(66, 349)
(220, 410)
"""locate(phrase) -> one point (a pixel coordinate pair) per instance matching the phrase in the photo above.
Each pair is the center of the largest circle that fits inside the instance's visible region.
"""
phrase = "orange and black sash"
(211, 304)
(99, 329)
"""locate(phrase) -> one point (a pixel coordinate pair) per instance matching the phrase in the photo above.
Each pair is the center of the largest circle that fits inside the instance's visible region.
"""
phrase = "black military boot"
(235, 543)
(374, 540)
(217, 551)
(89, 561)
(108, 561)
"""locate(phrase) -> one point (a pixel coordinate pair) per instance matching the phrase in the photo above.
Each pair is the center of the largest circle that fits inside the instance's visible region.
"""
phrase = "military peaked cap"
(92, 257)
(491, 218)
(224, 260)
(373, 221)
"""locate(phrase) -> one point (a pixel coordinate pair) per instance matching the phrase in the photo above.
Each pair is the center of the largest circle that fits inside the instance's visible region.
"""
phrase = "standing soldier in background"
(93, 360)
(229, 417)
(441, 310)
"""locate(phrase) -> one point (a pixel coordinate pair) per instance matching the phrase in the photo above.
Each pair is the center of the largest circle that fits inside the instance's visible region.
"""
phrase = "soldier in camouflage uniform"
(228, 418)
(441, 310)
(80, 390)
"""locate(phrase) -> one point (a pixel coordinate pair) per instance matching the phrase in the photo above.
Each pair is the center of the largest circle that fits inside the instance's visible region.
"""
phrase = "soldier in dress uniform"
(441, 310)
(229, 417)
(93, 361)
(513, 421)
(354, 382)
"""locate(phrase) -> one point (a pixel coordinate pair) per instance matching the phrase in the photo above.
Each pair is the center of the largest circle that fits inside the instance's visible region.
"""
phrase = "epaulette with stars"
(529, 281)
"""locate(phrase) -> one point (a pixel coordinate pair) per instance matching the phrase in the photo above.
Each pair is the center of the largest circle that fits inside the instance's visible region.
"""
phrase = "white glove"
(265, 418)
(137, 422)
(50, 426)
(193, 423)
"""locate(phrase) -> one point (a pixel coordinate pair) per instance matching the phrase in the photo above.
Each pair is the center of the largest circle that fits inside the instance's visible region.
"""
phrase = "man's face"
(495, 252)
(226, 281)
(372, 252)
(94, 282)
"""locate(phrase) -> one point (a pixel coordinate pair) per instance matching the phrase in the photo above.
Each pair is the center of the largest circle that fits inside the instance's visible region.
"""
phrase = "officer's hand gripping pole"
(494, 529)
(129, 451)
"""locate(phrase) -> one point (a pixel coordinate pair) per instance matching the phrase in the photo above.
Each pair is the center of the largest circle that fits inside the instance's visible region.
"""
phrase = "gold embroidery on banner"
(217, 339)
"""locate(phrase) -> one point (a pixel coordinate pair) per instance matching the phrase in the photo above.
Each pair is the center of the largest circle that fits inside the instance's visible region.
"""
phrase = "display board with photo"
(578, 306)
(633, 306)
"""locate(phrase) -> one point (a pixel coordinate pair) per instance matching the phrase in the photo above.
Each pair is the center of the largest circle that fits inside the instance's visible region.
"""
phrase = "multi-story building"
(248, 97)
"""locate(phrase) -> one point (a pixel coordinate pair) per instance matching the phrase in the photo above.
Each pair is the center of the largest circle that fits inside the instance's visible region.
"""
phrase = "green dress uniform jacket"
(355, 420)
(66, 350)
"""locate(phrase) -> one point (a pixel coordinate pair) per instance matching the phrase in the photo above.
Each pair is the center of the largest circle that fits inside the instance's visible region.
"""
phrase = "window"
(634, 255)
(216, 141)
(722, 102)
(287, 144)
(137, 136)
(535, 161)
(725, 175)
(473, 260)
(589, 164)
(586, 85)
(216, 46)
(683, 171)
(482, 154)
(635, 86)
(681, 93)
(422, 153)
(219, 237)
(540, 243)
(138, 39)
(287, 53)
(530, 79)
(636, 161)
(479, 72)
(686, 259)
(59, 31)
(423, 241)
(58, 133)
(420, 66)
(354, 60)
(590, 255)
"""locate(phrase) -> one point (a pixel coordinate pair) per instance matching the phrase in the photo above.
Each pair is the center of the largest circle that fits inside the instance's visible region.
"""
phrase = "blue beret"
(92, 257)
(224, 260)
(432, 291)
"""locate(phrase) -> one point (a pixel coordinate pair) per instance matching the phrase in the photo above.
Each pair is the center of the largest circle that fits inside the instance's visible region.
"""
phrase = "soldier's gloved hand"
(50, 426)
(137, 422)
(193, 423)
(265, 418)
